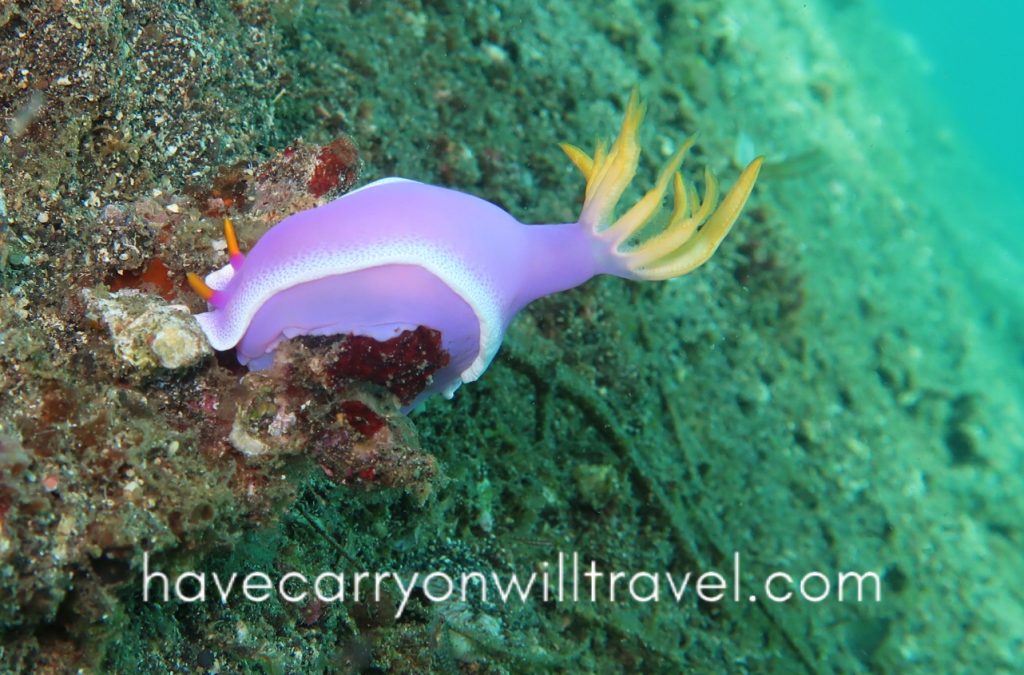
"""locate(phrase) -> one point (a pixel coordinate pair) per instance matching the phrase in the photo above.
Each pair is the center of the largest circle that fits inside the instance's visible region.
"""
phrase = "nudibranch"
(397, 254)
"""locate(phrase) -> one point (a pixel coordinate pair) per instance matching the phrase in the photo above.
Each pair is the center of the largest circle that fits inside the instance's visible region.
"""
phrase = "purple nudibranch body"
(397, 254)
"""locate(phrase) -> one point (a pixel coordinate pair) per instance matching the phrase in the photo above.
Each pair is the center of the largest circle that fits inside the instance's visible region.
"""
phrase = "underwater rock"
(350, 423)
(147, 332)
(597, 484)
(296, 179)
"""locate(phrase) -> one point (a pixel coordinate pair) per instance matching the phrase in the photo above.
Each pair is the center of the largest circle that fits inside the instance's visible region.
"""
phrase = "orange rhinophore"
(199, 286)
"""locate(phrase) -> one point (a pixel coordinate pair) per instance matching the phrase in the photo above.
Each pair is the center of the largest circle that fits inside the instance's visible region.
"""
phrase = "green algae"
(804, 398)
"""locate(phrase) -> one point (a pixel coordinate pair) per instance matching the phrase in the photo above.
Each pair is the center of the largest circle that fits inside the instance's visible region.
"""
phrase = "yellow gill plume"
(695, 226)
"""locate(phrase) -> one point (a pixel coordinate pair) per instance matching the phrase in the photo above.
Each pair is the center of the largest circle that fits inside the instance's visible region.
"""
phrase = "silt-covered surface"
(825, 394)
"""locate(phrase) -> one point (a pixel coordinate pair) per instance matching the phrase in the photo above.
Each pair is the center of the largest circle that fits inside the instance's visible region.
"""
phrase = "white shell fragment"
(147, 332)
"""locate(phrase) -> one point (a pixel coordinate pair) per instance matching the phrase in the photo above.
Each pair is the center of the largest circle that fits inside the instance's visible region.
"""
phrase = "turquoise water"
(975, 55)
(970, 58)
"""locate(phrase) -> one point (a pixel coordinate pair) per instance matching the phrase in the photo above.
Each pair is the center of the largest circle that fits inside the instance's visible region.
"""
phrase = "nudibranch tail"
(695, 226)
